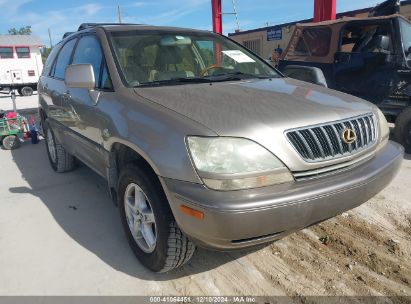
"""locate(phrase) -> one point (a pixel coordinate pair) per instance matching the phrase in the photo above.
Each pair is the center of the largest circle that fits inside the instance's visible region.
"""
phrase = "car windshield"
(161, 58)
(406, 36)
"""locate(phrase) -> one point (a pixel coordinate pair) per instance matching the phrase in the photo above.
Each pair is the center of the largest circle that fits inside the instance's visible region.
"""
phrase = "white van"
(20, 63)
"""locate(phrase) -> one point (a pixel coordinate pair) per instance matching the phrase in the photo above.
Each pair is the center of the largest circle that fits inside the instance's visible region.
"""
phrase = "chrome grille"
(324, 142)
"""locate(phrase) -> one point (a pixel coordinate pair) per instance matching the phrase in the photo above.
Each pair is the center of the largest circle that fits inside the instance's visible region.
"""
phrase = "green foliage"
(26, 30)
(45, 53)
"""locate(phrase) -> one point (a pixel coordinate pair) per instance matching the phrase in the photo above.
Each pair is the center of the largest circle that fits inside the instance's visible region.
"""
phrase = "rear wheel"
(403, 129)
(151, 230)
(60, 159)
(11, 142)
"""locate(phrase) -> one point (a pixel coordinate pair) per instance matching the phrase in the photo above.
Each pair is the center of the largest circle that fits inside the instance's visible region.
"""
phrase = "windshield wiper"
(176, 81)
(240, 75)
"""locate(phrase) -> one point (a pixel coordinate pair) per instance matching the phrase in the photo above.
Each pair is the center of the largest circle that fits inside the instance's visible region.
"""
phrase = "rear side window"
(63, 59)
(314, 42)
(6, 52)
(88, 50)
(23, 52)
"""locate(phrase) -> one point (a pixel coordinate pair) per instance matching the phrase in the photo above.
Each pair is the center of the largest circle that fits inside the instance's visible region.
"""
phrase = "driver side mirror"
(383, 42)
(306, 73)
(80, 76)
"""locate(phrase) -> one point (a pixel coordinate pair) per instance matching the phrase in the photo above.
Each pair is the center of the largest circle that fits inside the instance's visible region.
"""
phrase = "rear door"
(361, 68)
(53, 92)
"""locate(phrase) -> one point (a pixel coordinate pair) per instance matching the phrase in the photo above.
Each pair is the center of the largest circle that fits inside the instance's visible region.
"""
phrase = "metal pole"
(217, 16)
(13, 98)
(236, 16)
(325, 10)
(119, 14)
(51, 43)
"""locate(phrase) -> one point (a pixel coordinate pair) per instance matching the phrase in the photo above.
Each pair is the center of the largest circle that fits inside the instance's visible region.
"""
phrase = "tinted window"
(88, 50)
(357, 38)
(63, 59)
(6, 52)
(23, 52)
(314, 42)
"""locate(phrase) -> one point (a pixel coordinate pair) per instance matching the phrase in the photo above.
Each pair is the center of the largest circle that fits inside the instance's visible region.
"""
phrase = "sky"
(65, 16)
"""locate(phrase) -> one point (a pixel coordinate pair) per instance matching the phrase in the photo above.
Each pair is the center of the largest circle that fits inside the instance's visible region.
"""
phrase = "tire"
(11, 142)
(171, 248)
(60, 160)
(26, 91)
(403, 129)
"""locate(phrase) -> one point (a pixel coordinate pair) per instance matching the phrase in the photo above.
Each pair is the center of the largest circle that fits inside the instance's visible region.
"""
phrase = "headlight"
(384, 129)
(226, 163)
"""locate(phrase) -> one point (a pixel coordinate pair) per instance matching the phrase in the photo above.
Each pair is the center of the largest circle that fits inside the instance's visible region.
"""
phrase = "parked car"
(366, 57)
(203, 143)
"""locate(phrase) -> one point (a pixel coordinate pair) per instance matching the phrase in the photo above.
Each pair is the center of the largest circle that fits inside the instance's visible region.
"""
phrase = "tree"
(26, 30)
(45, 52)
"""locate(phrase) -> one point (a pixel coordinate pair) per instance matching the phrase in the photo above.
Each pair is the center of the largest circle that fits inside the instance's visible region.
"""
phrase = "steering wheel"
(209, 68)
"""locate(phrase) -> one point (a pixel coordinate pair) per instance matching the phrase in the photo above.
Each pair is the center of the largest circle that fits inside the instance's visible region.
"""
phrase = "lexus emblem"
(348, 136)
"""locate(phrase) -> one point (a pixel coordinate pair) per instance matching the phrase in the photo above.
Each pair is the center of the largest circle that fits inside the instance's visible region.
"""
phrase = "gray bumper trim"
(270, 213)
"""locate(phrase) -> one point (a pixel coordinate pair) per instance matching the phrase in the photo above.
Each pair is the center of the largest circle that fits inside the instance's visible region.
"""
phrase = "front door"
(16, 76)
(363, 67)
(89, 125)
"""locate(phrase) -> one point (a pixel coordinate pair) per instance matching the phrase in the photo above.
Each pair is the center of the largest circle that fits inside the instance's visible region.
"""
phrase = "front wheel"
(151, 230)
(403, 129)
(11, 142)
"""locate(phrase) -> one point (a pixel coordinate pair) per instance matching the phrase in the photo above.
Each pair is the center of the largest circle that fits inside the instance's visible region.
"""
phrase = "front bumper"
(238, 219)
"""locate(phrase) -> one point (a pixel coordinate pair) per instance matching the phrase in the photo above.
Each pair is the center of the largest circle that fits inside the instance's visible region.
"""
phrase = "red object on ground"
(11, 115)
(325, 10)
(217, 16)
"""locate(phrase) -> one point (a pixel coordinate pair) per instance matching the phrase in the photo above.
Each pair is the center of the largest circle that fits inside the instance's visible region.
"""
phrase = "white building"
(20, 63)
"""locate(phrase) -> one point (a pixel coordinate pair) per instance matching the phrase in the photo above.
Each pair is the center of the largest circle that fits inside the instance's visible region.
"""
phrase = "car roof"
(120, 27)
(347, 19)
(124, 27)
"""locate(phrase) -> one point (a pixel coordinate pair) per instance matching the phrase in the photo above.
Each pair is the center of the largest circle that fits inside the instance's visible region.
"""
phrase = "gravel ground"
(61, 235)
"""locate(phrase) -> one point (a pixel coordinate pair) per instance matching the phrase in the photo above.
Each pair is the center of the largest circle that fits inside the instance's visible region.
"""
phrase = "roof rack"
(84, 26)
(67, 34)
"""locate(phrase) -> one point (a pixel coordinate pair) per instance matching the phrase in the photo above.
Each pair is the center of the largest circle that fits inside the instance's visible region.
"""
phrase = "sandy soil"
(366, 251)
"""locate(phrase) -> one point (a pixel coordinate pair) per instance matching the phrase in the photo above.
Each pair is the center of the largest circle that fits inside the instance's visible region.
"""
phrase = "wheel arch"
(121, 154)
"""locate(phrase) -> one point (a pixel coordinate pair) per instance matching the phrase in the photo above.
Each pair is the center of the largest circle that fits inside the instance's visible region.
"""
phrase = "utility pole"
(51, 43)
(119, 14)
(236, 16)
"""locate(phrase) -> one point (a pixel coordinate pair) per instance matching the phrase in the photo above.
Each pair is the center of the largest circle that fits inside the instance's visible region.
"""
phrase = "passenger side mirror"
(306, 73)
(80, 76)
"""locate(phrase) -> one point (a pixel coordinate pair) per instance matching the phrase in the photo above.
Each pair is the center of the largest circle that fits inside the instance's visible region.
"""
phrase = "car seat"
(168, 64)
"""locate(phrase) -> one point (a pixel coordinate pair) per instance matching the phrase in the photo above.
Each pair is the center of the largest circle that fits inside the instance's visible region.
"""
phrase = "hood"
(230, 108)
(260, 110)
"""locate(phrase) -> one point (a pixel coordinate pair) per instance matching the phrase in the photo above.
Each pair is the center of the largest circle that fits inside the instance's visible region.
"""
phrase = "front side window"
(6, 52)
(169, 58)
(23, 52)
(88, 50)
(63, 59)
(366, 38)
